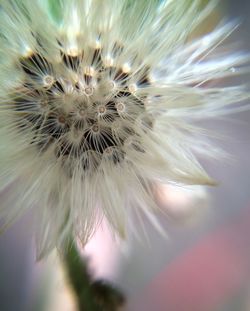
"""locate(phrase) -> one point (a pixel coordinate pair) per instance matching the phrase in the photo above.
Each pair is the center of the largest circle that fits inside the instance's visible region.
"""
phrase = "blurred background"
(203, 265)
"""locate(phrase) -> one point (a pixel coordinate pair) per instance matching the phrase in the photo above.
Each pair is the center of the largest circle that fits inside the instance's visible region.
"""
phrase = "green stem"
(91, 295)
(80, 280)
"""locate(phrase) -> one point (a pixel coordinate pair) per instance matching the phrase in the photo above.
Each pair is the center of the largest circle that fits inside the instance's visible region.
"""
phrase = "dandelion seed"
(48, 81)
(98, 103)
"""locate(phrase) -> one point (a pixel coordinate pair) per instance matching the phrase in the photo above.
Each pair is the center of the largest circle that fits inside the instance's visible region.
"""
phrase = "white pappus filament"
(97, 103)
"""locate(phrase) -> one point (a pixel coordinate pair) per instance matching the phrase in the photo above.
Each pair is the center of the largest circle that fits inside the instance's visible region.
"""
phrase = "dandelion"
(98, 103)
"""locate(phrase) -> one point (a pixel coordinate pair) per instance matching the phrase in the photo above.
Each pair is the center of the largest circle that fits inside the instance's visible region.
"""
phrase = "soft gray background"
(17, 257)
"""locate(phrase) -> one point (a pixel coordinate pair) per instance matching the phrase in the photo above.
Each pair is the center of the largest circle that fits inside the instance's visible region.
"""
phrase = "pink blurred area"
(205, 277)
(103, 252)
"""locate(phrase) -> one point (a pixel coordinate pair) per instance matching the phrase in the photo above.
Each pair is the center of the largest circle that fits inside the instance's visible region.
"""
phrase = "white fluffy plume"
(98, 101)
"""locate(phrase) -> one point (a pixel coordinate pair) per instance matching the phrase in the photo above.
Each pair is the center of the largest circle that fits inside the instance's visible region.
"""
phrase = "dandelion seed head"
(95, 109)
